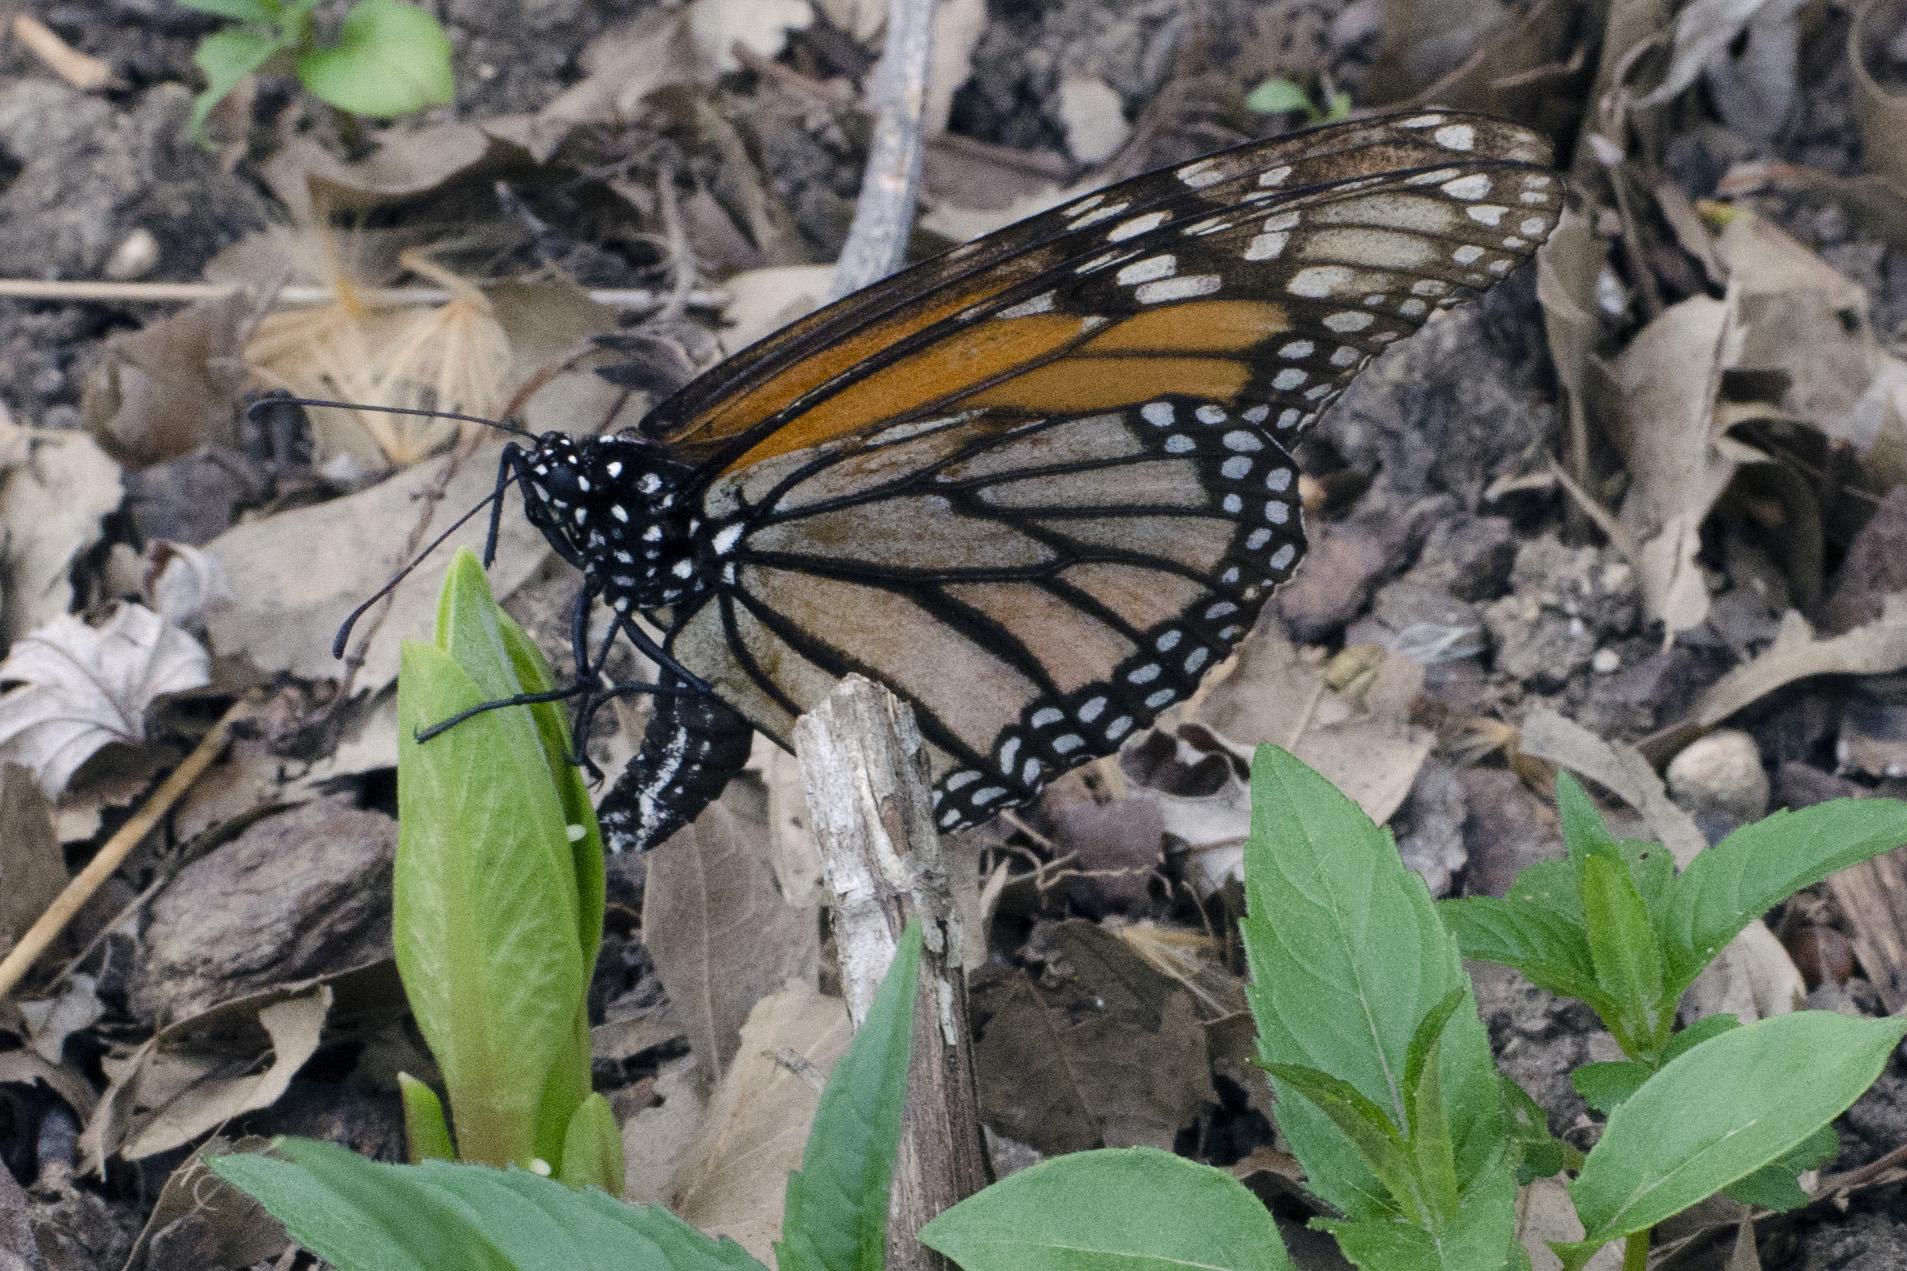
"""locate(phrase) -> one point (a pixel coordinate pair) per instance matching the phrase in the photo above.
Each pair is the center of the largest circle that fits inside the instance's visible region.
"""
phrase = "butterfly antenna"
(288, 400)
(344, 631)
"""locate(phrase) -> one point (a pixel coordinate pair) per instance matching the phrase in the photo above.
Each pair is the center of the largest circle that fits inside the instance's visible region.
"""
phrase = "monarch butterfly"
(1038, 485)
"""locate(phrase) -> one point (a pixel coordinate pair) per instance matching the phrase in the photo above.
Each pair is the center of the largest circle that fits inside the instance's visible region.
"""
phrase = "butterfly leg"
(694, 743)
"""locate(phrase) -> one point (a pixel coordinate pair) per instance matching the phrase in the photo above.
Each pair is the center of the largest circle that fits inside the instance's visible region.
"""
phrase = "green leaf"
(1622, 945)
(426, 1133)
(1347, 957)
(592, 1147)
(835, 1218)
(1584, 831)
(361, 1215)
(237, 10)
(1431, 1152)
(486, 908)
(1777, 1185)
(1362, 1123)
(1760, 865)
(1604, 1086)
(1698, 1032)
(1548, 947)
(226, 58)
(1722, 1110)
(1135, 1208)
(1539, 1154)
(1277, 96)
(1481, 1237)
(391, 58)
(1339, 107)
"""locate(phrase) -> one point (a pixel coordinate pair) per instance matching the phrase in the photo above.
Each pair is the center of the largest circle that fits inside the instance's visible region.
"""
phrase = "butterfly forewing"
(778, 394)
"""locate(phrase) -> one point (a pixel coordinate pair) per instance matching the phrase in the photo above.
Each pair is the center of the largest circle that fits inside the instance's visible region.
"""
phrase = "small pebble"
(1605, 662)
(135, 256)
(1721, 773)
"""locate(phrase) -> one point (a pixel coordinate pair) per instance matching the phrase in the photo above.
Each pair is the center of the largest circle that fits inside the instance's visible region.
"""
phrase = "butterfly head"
(614, 507)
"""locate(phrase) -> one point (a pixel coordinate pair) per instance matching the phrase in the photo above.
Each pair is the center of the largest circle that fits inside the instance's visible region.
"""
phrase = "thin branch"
(47, 927)
(884, 214)
(81, 292)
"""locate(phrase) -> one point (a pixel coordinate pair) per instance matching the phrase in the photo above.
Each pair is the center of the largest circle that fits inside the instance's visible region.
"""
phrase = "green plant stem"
(1635, 1251)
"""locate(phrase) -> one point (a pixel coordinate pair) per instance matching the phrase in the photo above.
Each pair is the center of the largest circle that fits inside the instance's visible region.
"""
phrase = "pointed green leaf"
(1760, 865)
(426, 1133)
(836, 1212)
(1584, 831)
(362, 1215)
(1538, 1153)
(1548, 948)
(592, 1147)
(1276, 96)
(391, 58)
(1622, 945)
(1134, 1208)
(1347, 957)
(1481, 1236)
(1604, 1086)
(1363, 1124)
(1724, 1109)
(1432, 1154)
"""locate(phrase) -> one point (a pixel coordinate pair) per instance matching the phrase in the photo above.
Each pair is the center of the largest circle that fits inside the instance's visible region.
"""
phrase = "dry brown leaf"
(408, 162)
(81, 688)
(1878, 648)
(294, 576)
(1704, 30)
(1106, 1049)
(1358, 735)
(657, 1137)
(51, 1020)
(1668, 379)
(177, 1086)
(762, 301)
(59, 486)
(621, 66)
(215, 1219)
(734, 1179)
(1880, 115)
(760, 26)
(721, 935)
(1545, 1213)
(1753, 978)
(171, 386)
(31, 861)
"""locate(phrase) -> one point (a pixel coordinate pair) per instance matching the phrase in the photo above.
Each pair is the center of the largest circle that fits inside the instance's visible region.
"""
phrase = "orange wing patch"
(1076, 384)
(1197, 326)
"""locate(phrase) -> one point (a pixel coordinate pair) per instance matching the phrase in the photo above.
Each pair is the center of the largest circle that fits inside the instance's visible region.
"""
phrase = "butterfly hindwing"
(1036, 588)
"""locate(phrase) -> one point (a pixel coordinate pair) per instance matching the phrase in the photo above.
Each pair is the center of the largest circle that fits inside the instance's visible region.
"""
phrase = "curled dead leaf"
(81, 688)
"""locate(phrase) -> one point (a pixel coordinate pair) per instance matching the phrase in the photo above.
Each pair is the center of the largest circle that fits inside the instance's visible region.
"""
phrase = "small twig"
(304, 296)
(865, 768)
(81, 70)
(109, 858)
(884, 214)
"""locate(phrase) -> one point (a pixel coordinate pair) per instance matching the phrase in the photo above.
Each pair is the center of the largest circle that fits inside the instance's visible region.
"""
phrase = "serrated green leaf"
(1347, 957)
(226, 58)
(1135, 1208)
(835, 1218)
(1584, 831)
(391, 58)
(1623, 948)
(1547, 947)
(1432, 1154)
(1481, 1236)
(362, 1215)
(1760, 865)
(1363, 1124)
(1724, 1109)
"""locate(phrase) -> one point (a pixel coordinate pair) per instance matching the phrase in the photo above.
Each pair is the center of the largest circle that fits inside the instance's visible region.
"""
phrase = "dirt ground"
(1718, 600)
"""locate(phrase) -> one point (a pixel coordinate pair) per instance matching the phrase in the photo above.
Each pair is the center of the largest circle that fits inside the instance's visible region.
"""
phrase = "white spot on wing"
(1184, 288)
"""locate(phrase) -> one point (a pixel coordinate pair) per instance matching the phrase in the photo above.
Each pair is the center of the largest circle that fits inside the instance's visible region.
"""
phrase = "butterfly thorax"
(615, 508)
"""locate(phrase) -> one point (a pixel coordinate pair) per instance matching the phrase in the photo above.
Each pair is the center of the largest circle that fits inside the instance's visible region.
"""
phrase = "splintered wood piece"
(865, 769)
